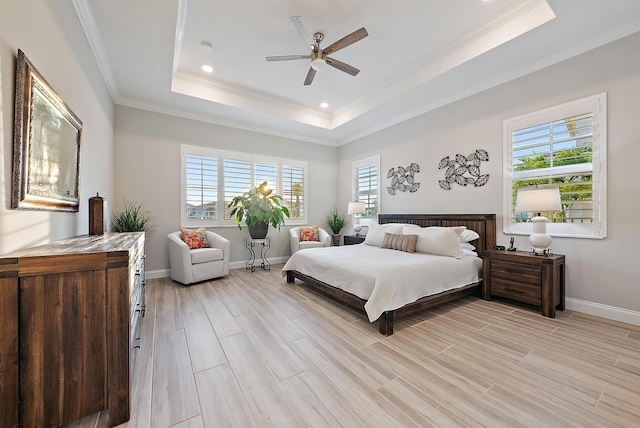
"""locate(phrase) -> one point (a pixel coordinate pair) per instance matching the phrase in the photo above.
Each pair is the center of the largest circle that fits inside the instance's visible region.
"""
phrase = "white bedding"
(387, 279)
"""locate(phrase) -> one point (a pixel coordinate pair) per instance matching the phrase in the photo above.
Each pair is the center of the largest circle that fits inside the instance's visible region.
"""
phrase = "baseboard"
(165, 273)
(160, 273)
(604, 311)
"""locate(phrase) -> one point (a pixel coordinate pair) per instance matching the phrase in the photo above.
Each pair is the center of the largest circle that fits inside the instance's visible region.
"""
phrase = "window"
(211, 178)
(366, 176)
(563, 147)
(201, 187)
(293, 190)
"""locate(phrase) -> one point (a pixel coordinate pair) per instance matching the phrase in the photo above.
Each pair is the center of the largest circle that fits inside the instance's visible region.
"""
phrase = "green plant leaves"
(258, 205)
(132, 219)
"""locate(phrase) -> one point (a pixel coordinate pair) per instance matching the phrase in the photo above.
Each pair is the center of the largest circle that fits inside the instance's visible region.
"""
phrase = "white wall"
(147, 155)
(50, 35)
(604, 272)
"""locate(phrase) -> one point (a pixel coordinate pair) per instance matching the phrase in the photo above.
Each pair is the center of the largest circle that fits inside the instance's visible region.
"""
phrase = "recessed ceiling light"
(207, 68)
(324, 105)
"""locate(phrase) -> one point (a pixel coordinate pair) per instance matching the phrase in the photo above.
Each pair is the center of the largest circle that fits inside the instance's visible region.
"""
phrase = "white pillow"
(468, 235)
(442, 241)
(467, 246)
(375, 234)
(465, 252)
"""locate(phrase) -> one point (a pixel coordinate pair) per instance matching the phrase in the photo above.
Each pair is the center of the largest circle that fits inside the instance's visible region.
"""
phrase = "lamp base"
(539, 239)
(357, 228)
(539, 252)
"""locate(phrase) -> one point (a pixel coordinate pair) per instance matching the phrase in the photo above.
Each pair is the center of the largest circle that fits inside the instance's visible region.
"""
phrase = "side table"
(353, 239)
(264, 245)
(526, 278)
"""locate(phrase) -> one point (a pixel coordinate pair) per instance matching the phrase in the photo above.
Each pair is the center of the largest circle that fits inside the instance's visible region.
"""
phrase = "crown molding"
(85, 16)
(162, 109)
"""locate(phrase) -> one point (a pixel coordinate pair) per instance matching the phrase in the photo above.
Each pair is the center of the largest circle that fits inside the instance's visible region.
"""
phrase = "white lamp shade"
(540, 200)
(355, 208)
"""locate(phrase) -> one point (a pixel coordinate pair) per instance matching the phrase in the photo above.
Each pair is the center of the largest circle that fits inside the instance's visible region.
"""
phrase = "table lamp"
(356, 208)
(539, 200)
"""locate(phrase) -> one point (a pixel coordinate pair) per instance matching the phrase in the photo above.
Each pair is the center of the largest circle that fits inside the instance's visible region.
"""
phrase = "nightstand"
(520, 276)
(353, 239)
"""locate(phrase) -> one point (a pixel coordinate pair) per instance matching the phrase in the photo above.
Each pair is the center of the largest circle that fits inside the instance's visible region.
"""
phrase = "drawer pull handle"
(513, 290)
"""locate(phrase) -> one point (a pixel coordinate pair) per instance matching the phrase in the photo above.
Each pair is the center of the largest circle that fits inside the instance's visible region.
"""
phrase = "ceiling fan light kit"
(319, 57)
(318, 64)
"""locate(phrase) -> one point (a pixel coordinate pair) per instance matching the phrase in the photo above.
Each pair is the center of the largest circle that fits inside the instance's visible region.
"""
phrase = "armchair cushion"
(311, 244)
(203, 255)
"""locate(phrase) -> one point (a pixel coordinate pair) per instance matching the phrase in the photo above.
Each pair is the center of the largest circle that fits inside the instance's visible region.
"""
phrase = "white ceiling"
(419, 55)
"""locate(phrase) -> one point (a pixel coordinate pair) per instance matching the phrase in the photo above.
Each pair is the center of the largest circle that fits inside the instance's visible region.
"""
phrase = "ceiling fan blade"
(342, 66)
(346, 41)
(303, 29)
(310, 75)
(286, 57)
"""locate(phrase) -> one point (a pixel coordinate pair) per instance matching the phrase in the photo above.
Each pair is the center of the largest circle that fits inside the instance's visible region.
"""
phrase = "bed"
(338, 287)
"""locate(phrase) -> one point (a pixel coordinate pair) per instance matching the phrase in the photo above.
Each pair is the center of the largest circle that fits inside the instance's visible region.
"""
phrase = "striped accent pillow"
(406, 243)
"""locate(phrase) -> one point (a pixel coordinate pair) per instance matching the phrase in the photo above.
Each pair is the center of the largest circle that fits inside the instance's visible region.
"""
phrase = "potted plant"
(132, 218)
(336, 220)
(259, 208)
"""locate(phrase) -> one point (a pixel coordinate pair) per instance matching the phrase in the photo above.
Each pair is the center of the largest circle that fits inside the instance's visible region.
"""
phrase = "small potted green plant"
(336, 220)
(259, 208)
(132, 218)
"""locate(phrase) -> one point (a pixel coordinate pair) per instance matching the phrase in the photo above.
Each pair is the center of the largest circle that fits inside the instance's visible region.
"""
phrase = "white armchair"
(189, 266)
(296, 245)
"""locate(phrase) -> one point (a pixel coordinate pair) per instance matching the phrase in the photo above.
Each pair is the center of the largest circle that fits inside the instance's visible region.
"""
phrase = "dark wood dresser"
(526, 278)
(69, 318)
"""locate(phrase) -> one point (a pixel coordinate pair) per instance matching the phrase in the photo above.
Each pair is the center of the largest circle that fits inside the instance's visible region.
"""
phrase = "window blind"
(557, 154)
(366, 182)
(293, 193)
(212, 178)
(201, 177)
(237, 180)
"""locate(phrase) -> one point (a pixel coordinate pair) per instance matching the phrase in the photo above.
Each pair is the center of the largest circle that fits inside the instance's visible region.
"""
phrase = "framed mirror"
(46, 147)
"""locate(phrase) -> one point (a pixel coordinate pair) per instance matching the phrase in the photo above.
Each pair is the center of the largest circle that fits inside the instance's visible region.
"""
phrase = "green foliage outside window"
(573, 188)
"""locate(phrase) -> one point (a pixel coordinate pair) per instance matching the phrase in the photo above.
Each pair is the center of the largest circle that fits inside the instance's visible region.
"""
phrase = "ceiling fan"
(320, 57)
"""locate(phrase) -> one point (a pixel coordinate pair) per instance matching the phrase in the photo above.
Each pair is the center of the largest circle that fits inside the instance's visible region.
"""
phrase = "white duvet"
(387, 279)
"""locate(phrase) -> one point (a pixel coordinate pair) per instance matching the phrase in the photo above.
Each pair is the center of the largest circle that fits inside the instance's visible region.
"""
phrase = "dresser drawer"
(516, 272)
(519, 291)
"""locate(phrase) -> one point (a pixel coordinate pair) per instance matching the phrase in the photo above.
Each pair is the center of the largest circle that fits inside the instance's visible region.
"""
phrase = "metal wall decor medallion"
(464, 170)
(403, 179)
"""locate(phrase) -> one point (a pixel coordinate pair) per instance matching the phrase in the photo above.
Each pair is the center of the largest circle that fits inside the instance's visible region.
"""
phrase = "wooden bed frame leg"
(386, 323)
(290, 277)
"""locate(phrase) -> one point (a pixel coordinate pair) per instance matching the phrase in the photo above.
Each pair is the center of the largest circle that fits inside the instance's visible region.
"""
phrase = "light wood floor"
(250, 350)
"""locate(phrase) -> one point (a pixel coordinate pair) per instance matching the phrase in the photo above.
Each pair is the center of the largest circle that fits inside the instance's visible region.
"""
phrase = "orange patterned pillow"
(195, 238)
(309, 234)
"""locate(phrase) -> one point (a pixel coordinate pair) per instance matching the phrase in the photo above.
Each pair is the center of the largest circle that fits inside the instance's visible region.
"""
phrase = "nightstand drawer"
(522, 292)
(516, 272)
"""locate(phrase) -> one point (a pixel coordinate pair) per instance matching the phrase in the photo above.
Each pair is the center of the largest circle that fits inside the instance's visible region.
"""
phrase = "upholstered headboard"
(483, 224)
